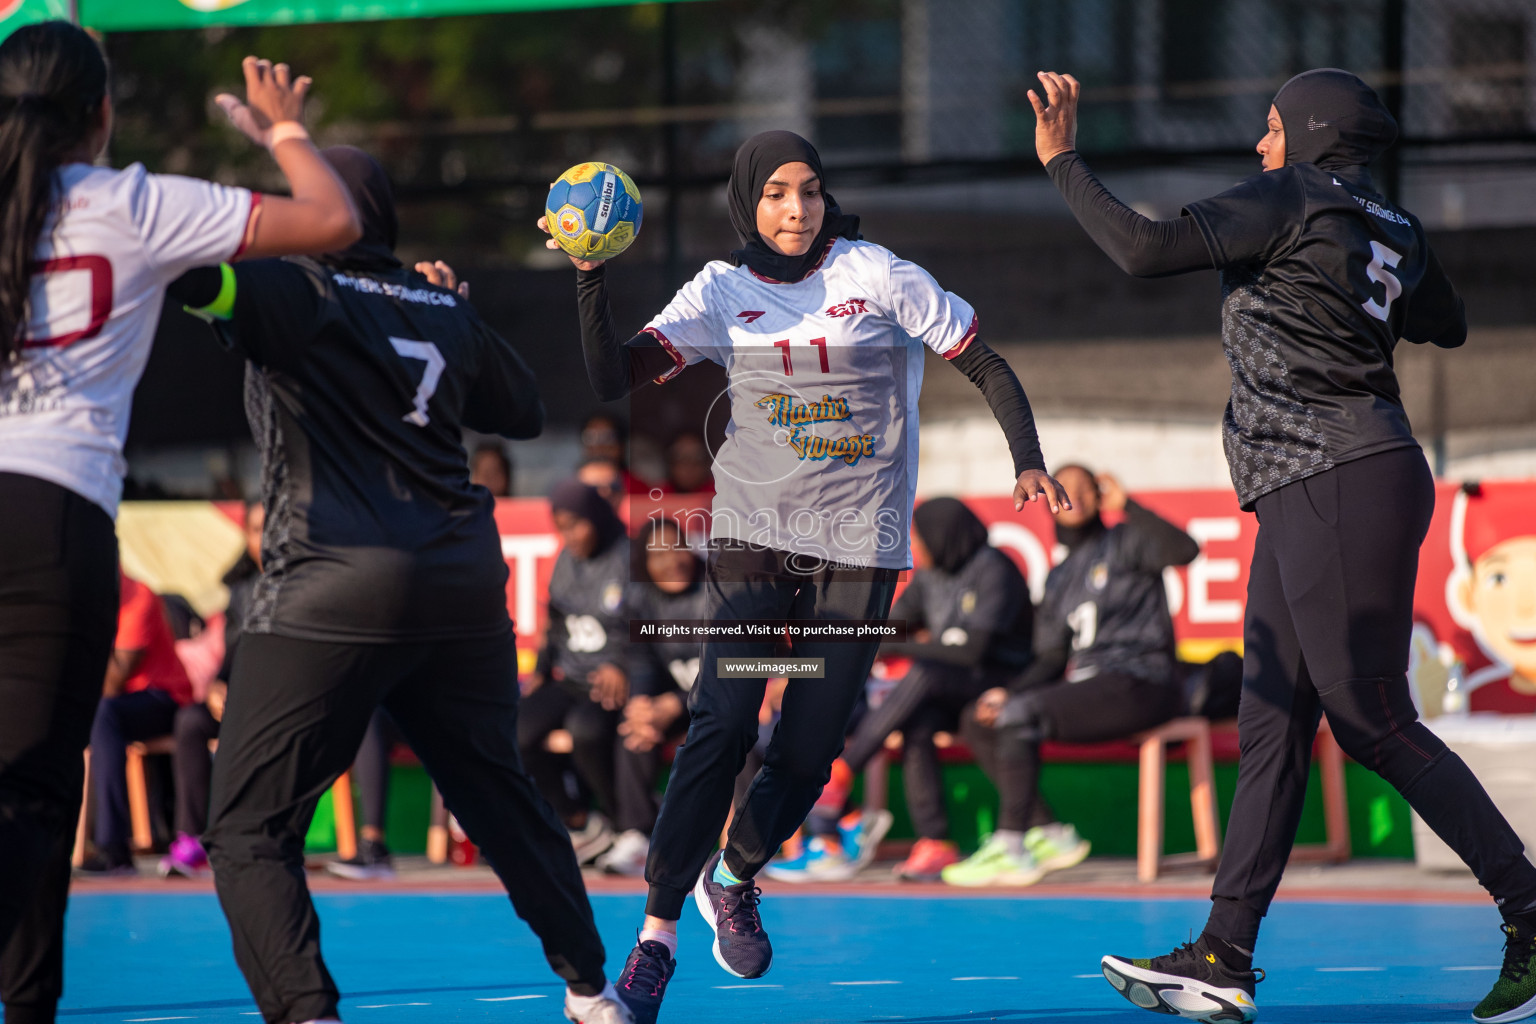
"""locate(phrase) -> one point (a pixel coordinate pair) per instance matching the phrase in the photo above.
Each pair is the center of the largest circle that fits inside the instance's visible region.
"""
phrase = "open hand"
(610, 686)
(1055, 116)
(442, 275)
(550, 243)
(272, 95)
(1034, 484)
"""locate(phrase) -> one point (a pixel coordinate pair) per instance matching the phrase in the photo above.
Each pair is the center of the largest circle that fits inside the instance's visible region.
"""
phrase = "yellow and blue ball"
(593, 211)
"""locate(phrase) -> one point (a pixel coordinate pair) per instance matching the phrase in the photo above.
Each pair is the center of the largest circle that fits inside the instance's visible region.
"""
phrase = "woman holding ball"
(820, 334)
(1321, 275)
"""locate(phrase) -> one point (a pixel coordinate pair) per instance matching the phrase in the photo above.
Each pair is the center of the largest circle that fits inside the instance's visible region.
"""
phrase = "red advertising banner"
(1474, 642)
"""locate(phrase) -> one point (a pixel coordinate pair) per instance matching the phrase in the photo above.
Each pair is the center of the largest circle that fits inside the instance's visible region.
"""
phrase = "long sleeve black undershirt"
(615, 369)
(1139, 246)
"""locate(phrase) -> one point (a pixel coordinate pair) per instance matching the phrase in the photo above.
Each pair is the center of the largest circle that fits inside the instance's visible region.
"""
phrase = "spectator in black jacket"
(198, 724)
(668, 585)
(1103, 670)
(581, 683)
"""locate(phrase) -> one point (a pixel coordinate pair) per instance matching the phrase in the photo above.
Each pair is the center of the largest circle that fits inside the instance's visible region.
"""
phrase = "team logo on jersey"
(750, 315)
(613, 596)
(968, 602)
(783, 411)
(1098, 576)
(849, 308)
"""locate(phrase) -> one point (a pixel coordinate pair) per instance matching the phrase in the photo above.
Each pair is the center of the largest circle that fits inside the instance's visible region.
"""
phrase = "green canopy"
(126, 15)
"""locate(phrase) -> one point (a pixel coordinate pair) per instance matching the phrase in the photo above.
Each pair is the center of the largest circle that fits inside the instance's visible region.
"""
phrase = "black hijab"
(584, 502)
(375, 202)
(950, 531)
(1333, 119)
(755, 161)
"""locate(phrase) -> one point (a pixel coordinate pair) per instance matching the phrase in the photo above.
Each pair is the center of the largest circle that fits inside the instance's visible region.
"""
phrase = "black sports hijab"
(755, 162)
(1333, 119)
(375, 201)
(582, 501)
(950, 531)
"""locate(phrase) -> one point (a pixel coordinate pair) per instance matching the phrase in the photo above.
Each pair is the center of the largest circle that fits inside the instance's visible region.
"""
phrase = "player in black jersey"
(1321, 275)
(382, 583)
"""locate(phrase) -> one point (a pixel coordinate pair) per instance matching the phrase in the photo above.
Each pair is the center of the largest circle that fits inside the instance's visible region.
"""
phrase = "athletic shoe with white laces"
(741, 945)
(1514, 993)
(1056, 847)
(627, 854)
(605, 1008)
(1191, 982)
(643, 983)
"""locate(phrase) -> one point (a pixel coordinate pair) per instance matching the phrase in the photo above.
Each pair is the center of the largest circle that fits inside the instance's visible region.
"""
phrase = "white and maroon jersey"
(820, 455)
(112, 243)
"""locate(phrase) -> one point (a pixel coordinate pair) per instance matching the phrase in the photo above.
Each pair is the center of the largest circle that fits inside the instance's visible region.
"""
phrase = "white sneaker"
(592, 839)
(1056, 846)
(603, 1008)
(627, 855)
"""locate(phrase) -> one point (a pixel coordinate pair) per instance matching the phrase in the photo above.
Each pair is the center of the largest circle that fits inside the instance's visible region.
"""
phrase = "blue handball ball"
(593, 211)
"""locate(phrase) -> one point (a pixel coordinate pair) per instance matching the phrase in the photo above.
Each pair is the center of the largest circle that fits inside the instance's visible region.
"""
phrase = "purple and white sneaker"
(741, 945)
(644, 982)
(187, 858)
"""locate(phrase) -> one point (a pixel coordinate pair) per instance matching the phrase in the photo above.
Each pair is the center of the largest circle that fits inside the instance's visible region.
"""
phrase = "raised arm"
(615, 368)
(1139, 246)
(319, 216)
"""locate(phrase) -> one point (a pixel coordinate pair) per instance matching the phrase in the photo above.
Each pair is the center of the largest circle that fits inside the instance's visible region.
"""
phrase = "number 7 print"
(428, 353)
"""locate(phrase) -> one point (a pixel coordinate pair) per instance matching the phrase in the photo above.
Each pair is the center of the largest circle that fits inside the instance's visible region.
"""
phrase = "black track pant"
(1107, 706)
(1330, 610)
(58, 617)
(593, 729)
(759, 583)
(297, 712)
(195, 727)
(927, 700)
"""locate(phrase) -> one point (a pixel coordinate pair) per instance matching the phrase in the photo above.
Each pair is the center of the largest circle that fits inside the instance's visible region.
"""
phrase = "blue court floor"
(153, 957)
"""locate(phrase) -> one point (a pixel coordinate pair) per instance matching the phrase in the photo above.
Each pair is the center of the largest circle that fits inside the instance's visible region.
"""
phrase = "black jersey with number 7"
(1320, 278)
(358, 387)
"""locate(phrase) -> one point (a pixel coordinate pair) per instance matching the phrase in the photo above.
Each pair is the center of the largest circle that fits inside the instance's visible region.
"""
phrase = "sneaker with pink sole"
(187, 859)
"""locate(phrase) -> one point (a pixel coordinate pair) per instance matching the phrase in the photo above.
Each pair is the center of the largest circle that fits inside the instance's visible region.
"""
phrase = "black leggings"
(927, 700)
(297, 712)
(58, 617)
(594, 733)
(195, 727)
(1107, 706)
(1330, 610)
(758, 583)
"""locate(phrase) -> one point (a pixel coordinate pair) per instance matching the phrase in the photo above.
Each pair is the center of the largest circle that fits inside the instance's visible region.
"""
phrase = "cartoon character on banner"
(1491, 593)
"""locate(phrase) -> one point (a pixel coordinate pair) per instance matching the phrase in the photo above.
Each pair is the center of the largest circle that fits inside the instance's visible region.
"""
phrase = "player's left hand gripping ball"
(593, 211)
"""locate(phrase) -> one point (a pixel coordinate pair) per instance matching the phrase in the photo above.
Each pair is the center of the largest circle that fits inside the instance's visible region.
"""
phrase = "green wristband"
(223, 305)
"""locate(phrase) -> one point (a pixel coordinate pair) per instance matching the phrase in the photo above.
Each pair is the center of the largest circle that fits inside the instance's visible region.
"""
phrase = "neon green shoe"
(1514, 994)
(993, 865)
(1056, 846)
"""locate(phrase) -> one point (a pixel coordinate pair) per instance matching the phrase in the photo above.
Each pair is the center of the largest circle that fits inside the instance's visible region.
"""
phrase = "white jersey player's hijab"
(755, 163)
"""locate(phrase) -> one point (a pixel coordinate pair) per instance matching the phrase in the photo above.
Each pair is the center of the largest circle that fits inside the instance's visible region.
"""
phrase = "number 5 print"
(1383, 258)
(428, 353)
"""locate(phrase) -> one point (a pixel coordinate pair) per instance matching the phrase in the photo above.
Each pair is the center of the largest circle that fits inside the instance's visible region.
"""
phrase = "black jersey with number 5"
(358, 387)
(1320, 276)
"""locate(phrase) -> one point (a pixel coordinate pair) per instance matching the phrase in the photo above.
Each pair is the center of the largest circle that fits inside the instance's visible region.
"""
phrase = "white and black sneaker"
(592, 839)
(371, 863)
(1191, 982)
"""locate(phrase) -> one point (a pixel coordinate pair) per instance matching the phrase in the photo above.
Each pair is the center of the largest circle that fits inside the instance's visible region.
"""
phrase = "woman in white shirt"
(85, 255)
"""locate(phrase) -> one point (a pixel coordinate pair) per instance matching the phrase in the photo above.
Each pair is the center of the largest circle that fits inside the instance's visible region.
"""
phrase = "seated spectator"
(1103, 670)
(689, 465)
(491, 467)
(144, 686)
(197, 724)
(605, 477)
(370, 768)
(605, 436)
(580, 683)
(968, 612)
(668, 585)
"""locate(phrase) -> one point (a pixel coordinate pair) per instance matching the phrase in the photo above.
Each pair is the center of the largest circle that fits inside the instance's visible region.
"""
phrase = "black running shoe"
(1514, 992)
(741, 945)
(1191, 982)
(644, 981)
